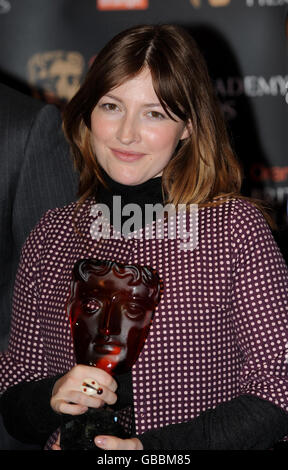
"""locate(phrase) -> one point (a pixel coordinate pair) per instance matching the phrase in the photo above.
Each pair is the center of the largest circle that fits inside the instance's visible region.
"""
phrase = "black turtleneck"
(149, 192)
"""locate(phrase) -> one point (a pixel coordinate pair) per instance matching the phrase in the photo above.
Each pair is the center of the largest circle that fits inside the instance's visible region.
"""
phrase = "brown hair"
(204, 166)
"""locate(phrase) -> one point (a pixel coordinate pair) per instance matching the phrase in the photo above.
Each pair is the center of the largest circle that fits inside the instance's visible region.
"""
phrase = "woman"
(145, 126)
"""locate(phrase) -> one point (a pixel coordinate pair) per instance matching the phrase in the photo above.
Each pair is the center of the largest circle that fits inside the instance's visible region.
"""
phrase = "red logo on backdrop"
(261, 172)
(122, 4)
(213, 3)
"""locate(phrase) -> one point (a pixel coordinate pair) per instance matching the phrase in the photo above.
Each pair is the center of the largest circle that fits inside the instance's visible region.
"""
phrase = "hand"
(68, 398)
(110, 443)
(115, 443)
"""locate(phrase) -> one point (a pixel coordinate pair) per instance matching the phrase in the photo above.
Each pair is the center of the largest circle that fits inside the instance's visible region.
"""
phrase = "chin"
(133, 182)
(129, 180)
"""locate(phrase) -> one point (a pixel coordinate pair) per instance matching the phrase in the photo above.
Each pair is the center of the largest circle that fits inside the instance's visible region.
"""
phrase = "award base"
(78, 432)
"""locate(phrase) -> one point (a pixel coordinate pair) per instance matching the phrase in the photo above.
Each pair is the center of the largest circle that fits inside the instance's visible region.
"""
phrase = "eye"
(133, 311)
(91, 306)
(109, 107)
(156, 115)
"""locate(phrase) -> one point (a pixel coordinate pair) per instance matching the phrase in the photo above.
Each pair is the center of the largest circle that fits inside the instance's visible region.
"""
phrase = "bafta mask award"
(111, 306)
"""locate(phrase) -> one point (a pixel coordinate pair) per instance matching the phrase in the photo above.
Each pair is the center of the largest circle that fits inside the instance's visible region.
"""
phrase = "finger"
(97, 397)
(115, 443)
(62, 406)
(69, 389)
(81, 398)
(101, 376)
(91, 387)
(56, 447)
(95, 384)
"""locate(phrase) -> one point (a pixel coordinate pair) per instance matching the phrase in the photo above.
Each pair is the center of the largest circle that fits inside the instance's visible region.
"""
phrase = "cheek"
(163, 138)
(138, 325)
(136, 338)
(102, 131)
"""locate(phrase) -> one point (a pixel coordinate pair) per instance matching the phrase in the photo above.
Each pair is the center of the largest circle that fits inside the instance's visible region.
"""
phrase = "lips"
(127, 156)
(111, 348)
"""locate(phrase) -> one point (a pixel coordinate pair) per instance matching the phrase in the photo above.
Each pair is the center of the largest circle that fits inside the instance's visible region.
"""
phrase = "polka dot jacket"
(219, 331)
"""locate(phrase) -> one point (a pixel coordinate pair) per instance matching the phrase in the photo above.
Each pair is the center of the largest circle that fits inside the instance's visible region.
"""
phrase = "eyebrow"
(147, 105)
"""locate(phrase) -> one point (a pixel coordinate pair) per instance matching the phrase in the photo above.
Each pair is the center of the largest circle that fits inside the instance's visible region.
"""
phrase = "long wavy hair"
(203, 169)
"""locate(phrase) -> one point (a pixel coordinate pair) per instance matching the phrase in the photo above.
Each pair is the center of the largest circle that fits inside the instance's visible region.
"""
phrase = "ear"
(186, 131)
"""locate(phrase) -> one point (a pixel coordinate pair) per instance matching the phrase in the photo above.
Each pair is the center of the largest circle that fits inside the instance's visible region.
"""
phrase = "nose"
(128, 131)
(110, 322)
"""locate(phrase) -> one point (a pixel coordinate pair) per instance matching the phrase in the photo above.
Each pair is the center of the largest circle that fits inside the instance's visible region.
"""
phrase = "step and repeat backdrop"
(48, 45)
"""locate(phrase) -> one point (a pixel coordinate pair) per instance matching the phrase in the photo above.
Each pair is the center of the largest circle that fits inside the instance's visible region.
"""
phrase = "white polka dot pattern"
(220, 329)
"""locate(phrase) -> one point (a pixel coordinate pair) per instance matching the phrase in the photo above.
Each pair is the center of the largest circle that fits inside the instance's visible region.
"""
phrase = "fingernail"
(100, 441)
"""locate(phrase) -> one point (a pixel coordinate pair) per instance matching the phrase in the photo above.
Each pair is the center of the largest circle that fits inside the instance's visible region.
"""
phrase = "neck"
(149, 192)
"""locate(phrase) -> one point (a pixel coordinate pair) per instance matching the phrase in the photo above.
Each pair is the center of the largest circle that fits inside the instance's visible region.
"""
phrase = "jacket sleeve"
(260, 307)
(26, 411)
(18, 114)
(244, 423)
(25, 356)
(47, 179)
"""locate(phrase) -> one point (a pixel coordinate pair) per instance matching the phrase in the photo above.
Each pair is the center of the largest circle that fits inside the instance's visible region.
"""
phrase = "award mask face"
(110, 309)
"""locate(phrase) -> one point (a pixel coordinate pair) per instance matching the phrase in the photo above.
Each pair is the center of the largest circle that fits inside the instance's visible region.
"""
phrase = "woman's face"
(132, 136)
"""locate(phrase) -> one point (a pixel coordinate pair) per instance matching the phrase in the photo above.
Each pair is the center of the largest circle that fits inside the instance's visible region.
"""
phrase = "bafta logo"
(55, 76)
(122, 4)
